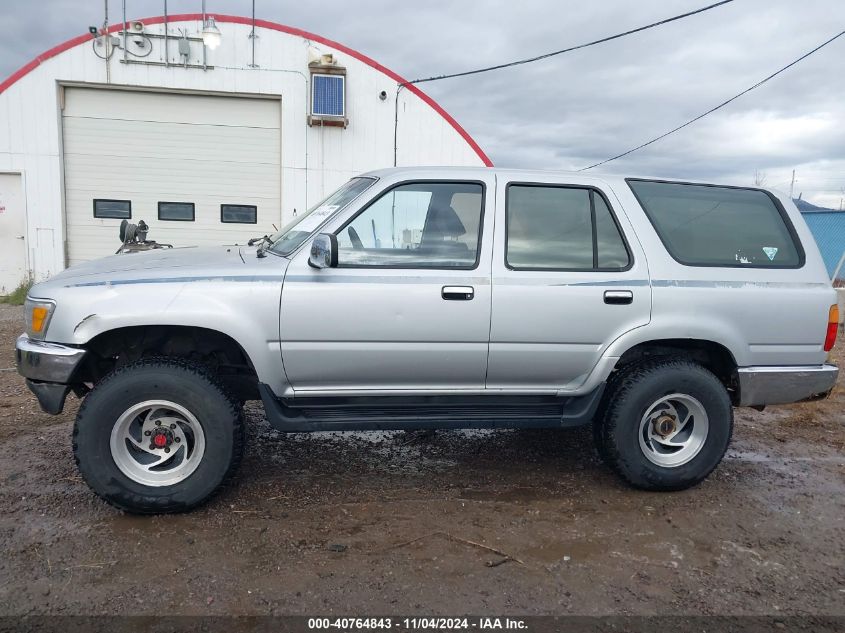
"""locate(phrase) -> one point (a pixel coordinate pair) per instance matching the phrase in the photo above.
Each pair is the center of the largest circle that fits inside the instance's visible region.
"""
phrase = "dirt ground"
(398, 523)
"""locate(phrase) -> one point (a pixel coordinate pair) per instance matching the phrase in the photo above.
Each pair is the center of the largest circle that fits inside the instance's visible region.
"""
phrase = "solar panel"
(327, 95)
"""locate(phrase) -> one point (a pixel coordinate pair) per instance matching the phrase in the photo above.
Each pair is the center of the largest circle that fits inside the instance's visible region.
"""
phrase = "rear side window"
(561, 228)
(703, 225)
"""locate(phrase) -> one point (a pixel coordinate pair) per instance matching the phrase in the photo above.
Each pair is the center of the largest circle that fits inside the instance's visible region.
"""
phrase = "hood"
(154, 260)
(171, 263)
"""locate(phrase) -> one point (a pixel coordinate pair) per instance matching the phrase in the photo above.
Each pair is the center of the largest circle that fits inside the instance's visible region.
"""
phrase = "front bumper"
(48, 369)
(781, 385)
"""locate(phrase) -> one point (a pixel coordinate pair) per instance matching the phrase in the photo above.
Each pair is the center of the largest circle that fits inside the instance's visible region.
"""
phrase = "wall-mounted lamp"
(211, 35)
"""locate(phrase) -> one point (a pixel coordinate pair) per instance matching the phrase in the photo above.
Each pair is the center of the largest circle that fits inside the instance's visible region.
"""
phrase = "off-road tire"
(190, 385)
(628, 395)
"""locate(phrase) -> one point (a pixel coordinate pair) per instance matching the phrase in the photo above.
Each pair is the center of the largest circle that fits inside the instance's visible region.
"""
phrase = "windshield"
(297, 231)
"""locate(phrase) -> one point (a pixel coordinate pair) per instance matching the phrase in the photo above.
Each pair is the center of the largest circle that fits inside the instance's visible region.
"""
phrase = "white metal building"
(206, 146)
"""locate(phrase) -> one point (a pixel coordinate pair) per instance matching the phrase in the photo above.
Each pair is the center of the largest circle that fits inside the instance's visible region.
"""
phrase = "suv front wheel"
(665, 424)
(158, 435)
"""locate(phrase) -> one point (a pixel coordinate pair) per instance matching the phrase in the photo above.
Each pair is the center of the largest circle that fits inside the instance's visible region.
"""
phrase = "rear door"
(568, 278)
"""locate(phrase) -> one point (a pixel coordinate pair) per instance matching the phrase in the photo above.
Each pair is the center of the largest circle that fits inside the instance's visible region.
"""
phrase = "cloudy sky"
(576, 109)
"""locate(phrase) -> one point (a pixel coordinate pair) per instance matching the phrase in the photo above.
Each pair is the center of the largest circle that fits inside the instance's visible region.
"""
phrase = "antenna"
(252, 37)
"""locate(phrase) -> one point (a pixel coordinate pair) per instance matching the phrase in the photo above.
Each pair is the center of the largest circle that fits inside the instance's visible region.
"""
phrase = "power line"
(567, 50)
(721, 105)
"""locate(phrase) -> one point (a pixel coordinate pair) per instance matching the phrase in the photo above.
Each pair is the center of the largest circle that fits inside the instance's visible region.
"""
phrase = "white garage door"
(164, 159)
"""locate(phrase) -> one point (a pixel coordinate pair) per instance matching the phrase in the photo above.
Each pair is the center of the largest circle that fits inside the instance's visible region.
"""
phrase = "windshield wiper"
(255, 240)
(263, 243)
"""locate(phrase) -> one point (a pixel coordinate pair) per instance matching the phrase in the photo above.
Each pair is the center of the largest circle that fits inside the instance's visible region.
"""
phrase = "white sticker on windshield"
(770, 252)
(316, 217)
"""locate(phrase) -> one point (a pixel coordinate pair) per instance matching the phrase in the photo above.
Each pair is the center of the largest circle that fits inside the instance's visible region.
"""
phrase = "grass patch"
(18, 295)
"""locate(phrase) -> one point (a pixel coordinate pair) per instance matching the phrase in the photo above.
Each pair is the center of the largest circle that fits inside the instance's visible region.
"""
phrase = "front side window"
(704, 225)
(417, 225)
(562, 228)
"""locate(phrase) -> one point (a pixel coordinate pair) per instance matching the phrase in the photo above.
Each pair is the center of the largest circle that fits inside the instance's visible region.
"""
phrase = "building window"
(113, 209)
(176, 211)
(239, 213)
(328, 95)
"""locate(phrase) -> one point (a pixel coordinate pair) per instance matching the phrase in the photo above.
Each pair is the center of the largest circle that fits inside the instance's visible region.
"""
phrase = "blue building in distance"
(828, 227)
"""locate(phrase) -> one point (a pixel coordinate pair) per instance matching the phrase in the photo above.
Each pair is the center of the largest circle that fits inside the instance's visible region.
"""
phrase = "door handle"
(457, 293)
(618, 297)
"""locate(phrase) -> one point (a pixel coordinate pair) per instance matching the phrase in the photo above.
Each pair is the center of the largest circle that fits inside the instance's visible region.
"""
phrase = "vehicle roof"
(414, 172)
(400, 173)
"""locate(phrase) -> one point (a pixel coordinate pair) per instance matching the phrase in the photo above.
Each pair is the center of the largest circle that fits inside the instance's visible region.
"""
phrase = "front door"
(566, 283)
(13, 270)
(407, 309)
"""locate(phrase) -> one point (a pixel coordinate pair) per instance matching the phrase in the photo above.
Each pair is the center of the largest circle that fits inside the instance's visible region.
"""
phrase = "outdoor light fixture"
(211, 35)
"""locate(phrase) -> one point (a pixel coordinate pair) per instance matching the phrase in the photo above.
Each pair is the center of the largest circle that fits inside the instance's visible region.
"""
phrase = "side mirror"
(323, 251)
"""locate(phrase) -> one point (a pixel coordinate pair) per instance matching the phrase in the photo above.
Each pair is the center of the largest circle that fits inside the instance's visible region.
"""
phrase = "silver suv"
(421, 298)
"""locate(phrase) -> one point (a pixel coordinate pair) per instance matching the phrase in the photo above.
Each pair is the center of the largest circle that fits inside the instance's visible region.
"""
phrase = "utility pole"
(792, 185)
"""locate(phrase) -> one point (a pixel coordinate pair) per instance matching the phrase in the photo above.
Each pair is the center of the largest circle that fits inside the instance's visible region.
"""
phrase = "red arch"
(236, 19)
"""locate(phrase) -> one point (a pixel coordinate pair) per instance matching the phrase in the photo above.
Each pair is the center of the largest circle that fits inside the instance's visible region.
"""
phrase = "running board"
(427, 412)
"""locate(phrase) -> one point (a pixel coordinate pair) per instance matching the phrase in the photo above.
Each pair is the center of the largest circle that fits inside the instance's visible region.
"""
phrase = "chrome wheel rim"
(157, 443)
(673, 430)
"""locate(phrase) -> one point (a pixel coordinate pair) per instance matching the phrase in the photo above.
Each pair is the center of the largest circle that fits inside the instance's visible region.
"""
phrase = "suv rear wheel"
(159, 435)
(665, 424)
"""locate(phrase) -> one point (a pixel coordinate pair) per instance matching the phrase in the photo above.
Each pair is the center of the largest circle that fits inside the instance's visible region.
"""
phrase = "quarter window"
(562, 228)
(610, 249)
(704, 225)
(176, 211)
(238, 214)
(417, 225)
(113, 209)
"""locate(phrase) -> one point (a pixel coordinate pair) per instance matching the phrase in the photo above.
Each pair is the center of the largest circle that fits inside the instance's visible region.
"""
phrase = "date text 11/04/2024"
(417, 623)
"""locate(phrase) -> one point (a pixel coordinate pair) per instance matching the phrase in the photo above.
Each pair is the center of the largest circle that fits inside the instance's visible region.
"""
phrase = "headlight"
(38, 313)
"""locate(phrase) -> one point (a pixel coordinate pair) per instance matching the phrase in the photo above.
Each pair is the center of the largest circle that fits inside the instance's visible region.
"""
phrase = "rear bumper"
(48, 369)
(781, 385)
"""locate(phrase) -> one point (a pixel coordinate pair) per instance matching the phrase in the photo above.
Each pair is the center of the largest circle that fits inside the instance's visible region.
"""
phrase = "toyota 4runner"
(421, 298)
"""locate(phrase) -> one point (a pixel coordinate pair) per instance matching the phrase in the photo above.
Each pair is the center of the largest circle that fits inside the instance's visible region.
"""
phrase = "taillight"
(832, 327)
